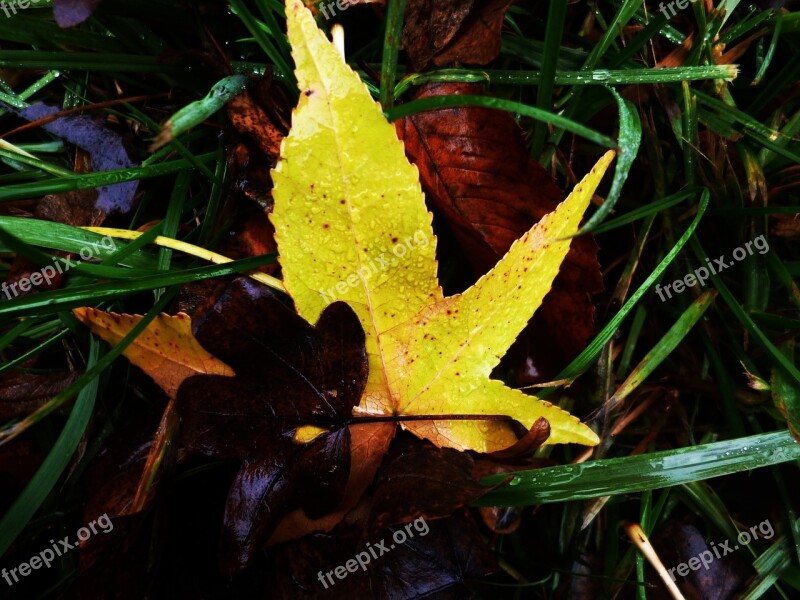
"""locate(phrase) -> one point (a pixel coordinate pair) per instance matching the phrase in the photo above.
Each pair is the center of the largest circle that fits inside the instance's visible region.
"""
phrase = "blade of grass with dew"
(630, 137)
(645, 211)
(35, 31)
(196, 112)
(78, 266)
(584, 360)
(18, 100)
(88, 295)
(269, 15)
(86, 61)
(621, 18)
(190, 249)
(172, 220)
(218, 189)
(762, 69)
(127, 249)
(630, 342)
(67, 238)
(92, 180)
(417, 106)
(689, 139)
(22, 159)
(54, 465)
(633, 474)
(251, 23)
(665, 346)
(446, 76)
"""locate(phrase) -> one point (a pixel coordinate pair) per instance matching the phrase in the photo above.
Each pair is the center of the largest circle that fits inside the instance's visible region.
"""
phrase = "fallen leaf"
(166, 349)
(478, 40)
(22, 393)
(440, 561)
(430, 25)
(343, 207)
(105, 147)
(250, 234)
(288, 375)
(78, 208)
(69, 13)
(677, 543)
(251, 120)
(368, 442)
(417, 479)
(477, 172)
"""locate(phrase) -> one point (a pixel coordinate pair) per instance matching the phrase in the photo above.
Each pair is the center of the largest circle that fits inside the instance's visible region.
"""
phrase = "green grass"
(707, 161)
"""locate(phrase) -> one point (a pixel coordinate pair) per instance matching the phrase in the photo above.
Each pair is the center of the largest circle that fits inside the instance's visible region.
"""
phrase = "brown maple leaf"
(289, 374)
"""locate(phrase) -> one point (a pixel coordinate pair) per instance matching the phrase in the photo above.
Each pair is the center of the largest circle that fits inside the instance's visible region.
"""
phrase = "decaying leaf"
(460, 31)
(69, 13)
(288, 374)
(478, 40)
(351, 224)
(166, 349)
(22, 393)
(418, 479)
(430, 25)
(440, 560)
(250, 119)
(105, 147)
(677, 543)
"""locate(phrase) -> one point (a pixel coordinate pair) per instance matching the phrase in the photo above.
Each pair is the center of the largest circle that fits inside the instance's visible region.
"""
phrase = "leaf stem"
(401, 418)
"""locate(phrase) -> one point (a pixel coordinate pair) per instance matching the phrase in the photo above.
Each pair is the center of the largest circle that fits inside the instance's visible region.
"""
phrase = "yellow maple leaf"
(351, 224)
(166, 350)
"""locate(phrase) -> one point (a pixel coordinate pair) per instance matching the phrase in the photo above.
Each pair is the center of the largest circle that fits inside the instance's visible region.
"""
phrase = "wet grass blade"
(48, 474)
(417, 106)
(92, 180)
(89, 295)
(632, 474)
(630, 137)
(665, 346)
(58, 236)
(584, 360)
